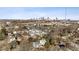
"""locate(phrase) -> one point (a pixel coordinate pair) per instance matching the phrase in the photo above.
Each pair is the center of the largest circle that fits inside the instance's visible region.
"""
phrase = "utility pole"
(65, 13)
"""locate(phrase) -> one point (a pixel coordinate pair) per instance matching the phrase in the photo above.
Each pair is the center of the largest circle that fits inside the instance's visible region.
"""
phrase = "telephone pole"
(65, 13)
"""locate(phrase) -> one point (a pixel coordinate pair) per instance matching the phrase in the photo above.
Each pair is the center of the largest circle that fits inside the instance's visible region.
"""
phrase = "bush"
(2, 33)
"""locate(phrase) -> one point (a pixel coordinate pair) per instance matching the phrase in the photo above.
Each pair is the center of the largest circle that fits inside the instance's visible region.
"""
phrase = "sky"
(36, 12)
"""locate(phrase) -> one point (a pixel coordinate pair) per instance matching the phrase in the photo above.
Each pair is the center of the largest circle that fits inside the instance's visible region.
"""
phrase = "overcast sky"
(31, 12)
